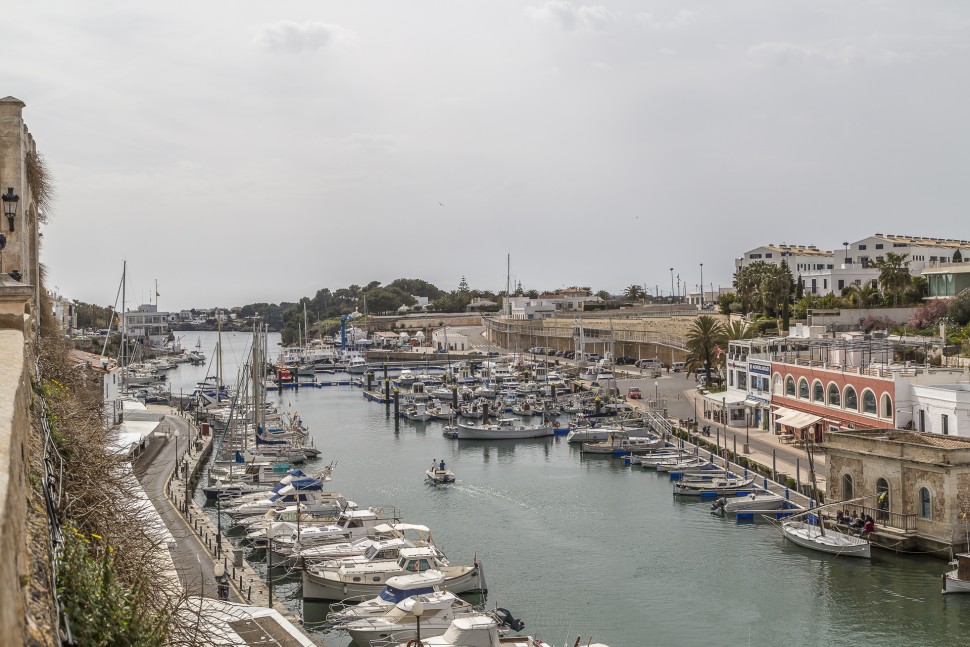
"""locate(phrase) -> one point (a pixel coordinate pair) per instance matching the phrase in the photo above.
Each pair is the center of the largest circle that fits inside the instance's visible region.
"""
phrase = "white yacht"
(438, 610)
(502, 429)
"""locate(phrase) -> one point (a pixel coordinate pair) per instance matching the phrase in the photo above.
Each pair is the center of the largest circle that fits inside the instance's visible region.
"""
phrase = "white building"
(451, 339)
(147, 326)
(64, 311)
(526, 308)
(826, 272)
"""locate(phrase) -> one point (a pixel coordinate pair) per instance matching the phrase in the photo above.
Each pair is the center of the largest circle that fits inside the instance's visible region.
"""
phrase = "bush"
(958, 310)
(929, 313)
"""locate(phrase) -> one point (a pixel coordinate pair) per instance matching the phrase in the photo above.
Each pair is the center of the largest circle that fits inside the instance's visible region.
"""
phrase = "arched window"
(882, 501)
(851, 400)
(925, 509)
(803, 389)
(887, 406)
(818, 392)
(790, 386)
(835, 397)
(847, 486)
(776, 388)
(869, 402)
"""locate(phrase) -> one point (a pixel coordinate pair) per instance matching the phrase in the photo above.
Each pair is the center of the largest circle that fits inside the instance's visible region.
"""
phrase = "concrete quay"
(169, 462)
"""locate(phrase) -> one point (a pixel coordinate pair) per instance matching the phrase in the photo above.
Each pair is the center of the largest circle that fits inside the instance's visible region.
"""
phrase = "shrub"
(929, 313)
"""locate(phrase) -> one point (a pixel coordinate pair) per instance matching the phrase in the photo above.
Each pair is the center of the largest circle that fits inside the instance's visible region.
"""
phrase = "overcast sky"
(256, 151)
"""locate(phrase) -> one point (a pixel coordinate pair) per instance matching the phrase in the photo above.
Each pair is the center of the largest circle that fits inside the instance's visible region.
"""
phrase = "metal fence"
(53, 488)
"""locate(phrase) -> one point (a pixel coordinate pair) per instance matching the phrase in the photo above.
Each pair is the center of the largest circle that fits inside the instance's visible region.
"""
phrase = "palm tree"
(738, 329)
(894, 276)
(705, 341)
(633, 292)
(861, 294)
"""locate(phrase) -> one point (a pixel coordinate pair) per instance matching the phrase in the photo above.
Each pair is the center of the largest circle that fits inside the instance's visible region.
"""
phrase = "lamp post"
(845, 260)
(418, 610)
(218, 528)
(746, 439)
(671, 285)
(702, 286)
(656, 392)
(10, 203)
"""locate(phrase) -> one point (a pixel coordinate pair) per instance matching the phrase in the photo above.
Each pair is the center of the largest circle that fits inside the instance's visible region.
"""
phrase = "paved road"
(194, 566)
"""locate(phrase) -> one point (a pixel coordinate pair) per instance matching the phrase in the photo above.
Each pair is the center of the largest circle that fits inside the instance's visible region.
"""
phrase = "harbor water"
(580, 546)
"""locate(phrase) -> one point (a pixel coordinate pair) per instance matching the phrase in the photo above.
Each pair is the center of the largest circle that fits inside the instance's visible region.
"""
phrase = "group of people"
(864, 524)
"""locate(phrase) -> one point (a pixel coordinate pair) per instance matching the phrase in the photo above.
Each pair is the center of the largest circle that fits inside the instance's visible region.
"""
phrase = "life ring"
(414, 642)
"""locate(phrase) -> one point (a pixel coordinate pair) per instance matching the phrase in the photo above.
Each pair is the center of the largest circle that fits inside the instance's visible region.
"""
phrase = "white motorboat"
(483, 631)
(438, 610)
(590, 434)
(759, 500)
(620, 444)
(369, 579)
(713, 487)
(406, 378)
(502, 429)
(473, 410)
(357, 365)
(439, 473)
(831, 541)
(484, 391)
(418, 412)
(414, 536)
(397, 588)
(351, 524)
(958, 580)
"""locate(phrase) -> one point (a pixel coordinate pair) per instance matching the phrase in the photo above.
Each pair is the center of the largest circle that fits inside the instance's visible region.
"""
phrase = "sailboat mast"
(811, 471)
(124, 325)
(218, 357)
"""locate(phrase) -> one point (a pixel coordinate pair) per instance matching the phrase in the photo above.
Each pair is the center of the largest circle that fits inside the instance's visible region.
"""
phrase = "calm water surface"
(579, 546)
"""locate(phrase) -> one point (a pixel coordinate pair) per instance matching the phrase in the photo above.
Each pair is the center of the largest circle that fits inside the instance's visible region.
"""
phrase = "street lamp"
(671, 285)
(418, 610)
(10, 203)
(846, 259)
(656, 392)
(702, 286)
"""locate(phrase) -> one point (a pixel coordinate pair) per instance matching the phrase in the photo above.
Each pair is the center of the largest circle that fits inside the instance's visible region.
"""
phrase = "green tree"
(634, 292)
(704, 337)
(861, 295)
(894, 276)
(957, 257)
(738, 329)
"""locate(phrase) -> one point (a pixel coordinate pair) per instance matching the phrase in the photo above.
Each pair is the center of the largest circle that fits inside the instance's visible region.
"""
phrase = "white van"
(677, 367)
(648, 362)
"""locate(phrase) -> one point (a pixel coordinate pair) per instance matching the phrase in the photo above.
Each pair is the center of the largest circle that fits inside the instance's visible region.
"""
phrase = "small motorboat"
(958, 580)
(756, 501)
(438, 473)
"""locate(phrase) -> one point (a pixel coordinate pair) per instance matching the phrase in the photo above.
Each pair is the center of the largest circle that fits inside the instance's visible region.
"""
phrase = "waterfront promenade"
(163, 469)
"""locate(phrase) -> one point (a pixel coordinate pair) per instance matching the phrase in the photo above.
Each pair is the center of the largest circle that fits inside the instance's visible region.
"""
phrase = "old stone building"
(918, 484)
(20, 171)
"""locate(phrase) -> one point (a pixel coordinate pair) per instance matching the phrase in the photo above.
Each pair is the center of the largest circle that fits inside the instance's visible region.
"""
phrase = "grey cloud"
(289, 36)
(680, 19)
(566, 15)
(780, 53)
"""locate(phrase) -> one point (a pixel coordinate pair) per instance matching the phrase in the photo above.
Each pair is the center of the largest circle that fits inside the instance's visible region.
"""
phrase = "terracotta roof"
(924, 241)
(803, 250)
(913, 438)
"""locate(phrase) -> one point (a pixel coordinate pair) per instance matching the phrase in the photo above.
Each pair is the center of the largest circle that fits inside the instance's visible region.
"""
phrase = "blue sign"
(760, 369)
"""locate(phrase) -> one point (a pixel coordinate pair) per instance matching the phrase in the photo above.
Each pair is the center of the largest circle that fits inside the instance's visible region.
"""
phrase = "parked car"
(651, 362)
(593, 357)
(475, 353)
(621, 361)
(552, 352)
(569, 354)
(634, 393)
(493, 353)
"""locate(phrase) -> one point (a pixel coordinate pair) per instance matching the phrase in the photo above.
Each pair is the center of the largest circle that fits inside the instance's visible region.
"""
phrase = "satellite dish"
(3, 241)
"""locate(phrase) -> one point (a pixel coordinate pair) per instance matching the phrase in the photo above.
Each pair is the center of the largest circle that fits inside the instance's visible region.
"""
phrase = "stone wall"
(14, 432)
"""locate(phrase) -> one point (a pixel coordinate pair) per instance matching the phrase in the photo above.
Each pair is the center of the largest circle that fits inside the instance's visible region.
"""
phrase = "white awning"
(798, 420)
(781, 412)
(726, 398)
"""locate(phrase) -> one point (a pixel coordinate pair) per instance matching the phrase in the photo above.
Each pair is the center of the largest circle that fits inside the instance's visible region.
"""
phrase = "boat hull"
(953, 584)
(513, 432)
(833, 542)
(328, 587)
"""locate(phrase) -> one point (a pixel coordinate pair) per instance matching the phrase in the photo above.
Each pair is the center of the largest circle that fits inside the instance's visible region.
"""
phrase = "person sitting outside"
(869, 527)
(441, 465)
(853, 521)
(841, 518)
